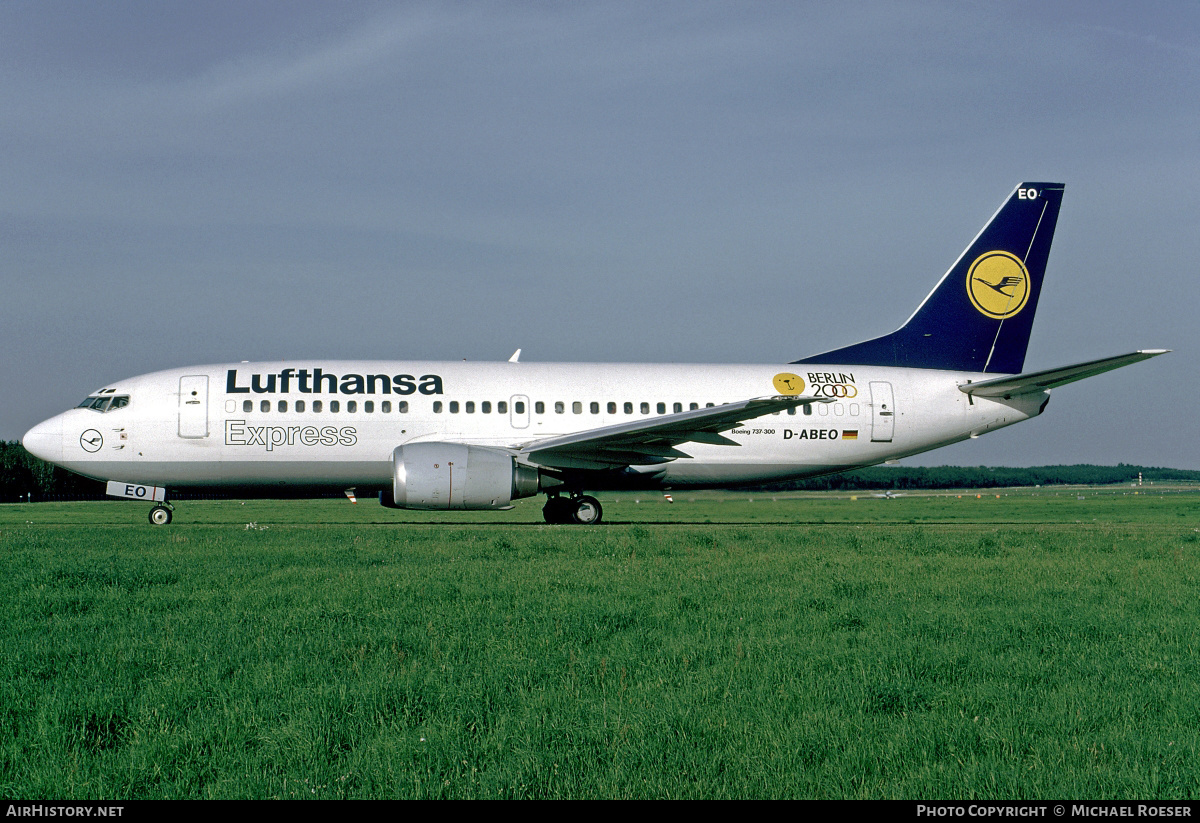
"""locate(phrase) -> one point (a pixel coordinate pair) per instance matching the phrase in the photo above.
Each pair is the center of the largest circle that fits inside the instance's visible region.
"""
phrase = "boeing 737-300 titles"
(457, 435)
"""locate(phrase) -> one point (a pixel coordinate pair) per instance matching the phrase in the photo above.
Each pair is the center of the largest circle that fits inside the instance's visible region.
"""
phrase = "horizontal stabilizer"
(1048, 379)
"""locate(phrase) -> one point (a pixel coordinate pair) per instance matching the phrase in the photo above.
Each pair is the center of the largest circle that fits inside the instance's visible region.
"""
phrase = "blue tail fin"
(979, 315)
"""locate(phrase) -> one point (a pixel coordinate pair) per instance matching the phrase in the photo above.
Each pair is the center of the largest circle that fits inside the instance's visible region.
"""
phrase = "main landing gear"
(580, 509)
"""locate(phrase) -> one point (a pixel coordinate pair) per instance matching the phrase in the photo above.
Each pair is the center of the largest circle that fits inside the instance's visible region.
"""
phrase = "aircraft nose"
(44, 441)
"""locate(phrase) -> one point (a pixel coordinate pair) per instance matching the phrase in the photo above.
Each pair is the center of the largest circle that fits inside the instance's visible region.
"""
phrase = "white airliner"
(457, 435)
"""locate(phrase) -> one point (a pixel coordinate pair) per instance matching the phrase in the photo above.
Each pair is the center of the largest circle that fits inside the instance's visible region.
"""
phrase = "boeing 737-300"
(457, 435)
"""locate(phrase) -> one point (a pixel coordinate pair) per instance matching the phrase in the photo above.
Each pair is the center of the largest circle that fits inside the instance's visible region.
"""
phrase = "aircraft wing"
(1048, 379)
(653, 440)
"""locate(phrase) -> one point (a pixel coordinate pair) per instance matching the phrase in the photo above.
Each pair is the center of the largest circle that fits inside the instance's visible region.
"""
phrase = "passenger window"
(577, 407)
(629, 408)
(454, 407)
(486, 407)
(402, 407)
(559, 408)
(792, 410)
(662, 408)
(317, 406)
(386, 407)
(299, 405)
(612, 408)
(808, 409)
(351, 406)
(678, 407)
(264, 406)
(369, 406)
(594, 408)
(247, 405)
(645, 408)
(282, 405)
(470, 407)
(335, 406)
(693, 406)
(502, 407)
(437, 406)
(539, 407)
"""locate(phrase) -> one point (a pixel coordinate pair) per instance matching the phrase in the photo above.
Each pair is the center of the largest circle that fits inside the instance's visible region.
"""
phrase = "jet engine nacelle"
(457, 476)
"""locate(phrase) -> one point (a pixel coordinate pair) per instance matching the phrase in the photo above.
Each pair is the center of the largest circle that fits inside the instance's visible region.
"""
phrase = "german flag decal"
(849, 434)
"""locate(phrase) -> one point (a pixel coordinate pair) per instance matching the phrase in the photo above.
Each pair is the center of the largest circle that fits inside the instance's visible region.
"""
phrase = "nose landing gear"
(160, 515)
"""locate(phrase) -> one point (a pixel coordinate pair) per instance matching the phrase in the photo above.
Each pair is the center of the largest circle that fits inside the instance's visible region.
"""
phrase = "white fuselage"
(335, 424)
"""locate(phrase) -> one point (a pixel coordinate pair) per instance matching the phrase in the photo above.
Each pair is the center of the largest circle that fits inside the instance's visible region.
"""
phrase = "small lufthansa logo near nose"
(91, 440)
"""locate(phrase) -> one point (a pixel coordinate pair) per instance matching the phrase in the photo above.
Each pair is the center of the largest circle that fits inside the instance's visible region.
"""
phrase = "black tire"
(160, 515)
(558, 510)
(587, 511)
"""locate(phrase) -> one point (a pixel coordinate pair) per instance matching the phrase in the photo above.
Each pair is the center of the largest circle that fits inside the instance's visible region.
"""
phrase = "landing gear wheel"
(587, 511)
(581, 510)
(160, 515)
(558, 510)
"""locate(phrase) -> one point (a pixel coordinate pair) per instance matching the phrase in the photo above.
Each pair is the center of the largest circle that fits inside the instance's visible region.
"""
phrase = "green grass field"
(1027, 645)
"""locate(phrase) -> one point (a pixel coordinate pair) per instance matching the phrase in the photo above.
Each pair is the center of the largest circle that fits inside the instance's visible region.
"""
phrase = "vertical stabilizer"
(979, 316)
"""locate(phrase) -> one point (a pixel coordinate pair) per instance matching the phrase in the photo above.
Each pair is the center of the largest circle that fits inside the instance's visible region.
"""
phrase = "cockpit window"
(105, 403)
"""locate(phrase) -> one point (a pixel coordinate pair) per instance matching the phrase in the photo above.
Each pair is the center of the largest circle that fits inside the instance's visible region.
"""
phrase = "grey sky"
(186, 183)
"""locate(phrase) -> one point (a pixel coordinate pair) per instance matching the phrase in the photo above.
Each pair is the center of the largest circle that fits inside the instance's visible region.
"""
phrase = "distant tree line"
(24, 477)
(982, 477)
